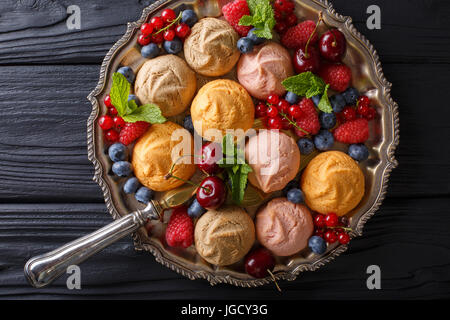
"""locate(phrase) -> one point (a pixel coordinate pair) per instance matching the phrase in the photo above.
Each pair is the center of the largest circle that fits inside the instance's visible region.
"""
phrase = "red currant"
(158, 38)
(147, 29)
(112, 136)
(112, 111)
(168, 15)
(319, 221)
(281, 26)
(331, 220)
(144, 40)
(182, 30)
(105, 122)
(273, 99)
(291, 20)
(319, 233)
(371, 113)
(349, 114)
(261, 110)
(157, 23)
(343, 221)
(364, 101)
(343, 238)
(119, 123)
(295, 112)
(331, 236)
(275, 123)
(107, 101)
(286, 124)
(272, 112)
(363, 110)
(283, 106)
(169, 35)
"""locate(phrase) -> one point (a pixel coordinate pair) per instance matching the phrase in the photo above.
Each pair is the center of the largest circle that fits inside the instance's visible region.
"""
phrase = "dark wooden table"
(47, 197)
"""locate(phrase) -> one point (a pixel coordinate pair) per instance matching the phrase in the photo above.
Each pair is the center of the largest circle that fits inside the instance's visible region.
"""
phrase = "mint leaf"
(132, 106)
(246, 21)
(119, 93)
(324, 103)
(262, 18)
(305, 84)
(148, 113)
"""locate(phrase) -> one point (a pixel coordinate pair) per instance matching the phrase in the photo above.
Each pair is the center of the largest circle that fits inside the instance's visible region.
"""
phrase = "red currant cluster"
(332, 228)
(111, 123)
(284, 15)
(362, 110)
(279, 114)
(164, 27)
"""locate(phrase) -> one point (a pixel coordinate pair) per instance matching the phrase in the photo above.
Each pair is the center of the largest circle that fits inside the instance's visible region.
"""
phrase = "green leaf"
(119, 93)
(246, 21)
(148, 113)
(245, 168)
(235, 168)
(132, 106)
(305, 84)
(228, 145)
(324, 103)
(262, 18)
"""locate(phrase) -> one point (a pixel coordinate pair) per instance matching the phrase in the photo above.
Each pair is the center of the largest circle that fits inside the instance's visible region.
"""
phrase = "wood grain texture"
(47, 197)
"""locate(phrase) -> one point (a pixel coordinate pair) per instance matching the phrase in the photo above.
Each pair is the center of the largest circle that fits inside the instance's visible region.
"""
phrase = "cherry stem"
(334, 44)
(166, 27)
(312, 34)
(274, 280)
(344, 228)
(171, 175)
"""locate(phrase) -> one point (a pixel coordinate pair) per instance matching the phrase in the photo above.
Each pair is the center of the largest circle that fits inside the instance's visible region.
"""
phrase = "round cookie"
(332, 182)
(211, 48)
(224, 236)
(262, 70)
(272, 169)
(222, 104)
(152, 157)
(284, 227)
(168, 82)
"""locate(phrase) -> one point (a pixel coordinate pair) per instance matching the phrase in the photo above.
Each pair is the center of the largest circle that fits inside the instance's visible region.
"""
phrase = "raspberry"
(132, 131)
(180, 229)
(233, 12)
(297, 36)
(309, 120)
(338, 76)
(356, 131)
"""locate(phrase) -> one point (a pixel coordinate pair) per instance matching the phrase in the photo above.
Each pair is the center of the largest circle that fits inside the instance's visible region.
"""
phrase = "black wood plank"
(36, 32)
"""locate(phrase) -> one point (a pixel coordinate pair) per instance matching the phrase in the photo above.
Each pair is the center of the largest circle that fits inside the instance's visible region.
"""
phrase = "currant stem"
(293, 123)
(166, 27)
(274, 280)
(344, 228)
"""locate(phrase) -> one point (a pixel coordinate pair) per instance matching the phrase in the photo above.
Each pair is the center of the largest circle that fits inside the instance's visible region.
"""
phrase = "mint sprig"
(262, 18)
(129, 110)
(308, 85)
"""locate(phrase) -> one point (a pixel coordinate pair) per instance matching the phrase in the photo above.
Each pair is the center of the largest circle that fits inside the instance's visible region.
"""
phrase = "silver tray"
(367, 77)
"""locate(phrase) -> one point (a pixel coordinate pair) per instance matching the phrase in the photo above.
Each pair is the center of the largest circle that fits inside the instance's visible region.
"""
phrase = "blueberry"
(295, 195)
(327, 120)
(291, 184)
(144, 195)
(337, 102)
(188, 125)
(127, 73)
(150, 51)
(195, 210)
(291, 97)
(131, 185)
(324, 140)
(359, 152)
(316, 100)
(122, 168)
(351, 96)
(174, 46)
(118, 152)
(317, 245)
(189, 17)
(135, 98)
(305, 145)
(245, 45)
(255, 39)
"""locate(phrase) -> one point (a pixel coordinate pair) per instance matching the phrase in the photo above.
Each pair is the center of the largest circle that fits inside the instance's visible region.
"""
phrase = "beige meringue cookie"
(262, 71)
(168, 82)
(211, 48)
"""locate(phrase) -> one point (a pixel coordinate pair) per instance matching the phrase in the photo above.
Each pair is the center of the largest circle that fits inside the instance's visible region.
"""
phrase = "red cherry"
(343, 238)
(349, 114)
(291, 19)
(182, 30)
(371, 113)
(261, 110)
(112, 111)
(157, 23)
(119, 123)
(211, 153)
(272, 112)
(364, 101)
(286, 124)
(295, 112)
(275, 123)
(168, 15)
(281, 27)
(147, 29)
(306, 62)
(283, 106)
(319, 221)
(331, 220)
(211, 193)
(273, 99)
(331, 236)
(363, 110)
(105, 122)
(112, 136)
(258, 262)
(169, 35)
(157, 38)
(107, 101)
(144, 40)
(332, 45)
